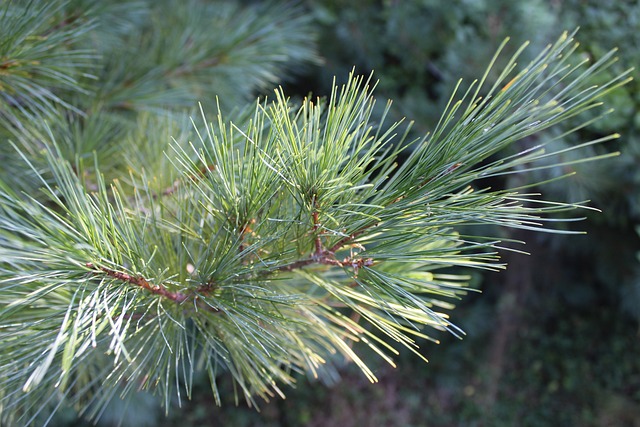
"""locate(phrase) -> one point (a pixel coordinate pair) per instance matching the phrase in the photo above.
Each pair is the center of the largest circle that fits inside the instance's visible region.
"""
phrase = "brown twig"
(160, 290)
(178, 297)
(350, 238)
(325, 257)
(321, 255)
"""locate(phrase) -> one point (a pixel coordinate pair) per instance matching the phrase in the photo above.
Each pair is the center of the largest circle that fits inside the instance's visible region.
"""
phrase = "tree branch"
(178, 297)
(347, 239)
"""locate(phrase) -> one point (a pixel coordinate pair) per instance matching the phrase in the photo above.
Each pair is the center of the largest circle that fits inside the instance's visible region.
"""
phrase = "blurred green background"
(554, 340)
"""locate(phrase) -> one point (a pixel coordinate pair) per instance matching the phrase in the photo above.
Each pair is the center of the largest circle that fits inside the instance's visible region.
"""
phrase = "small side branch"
(350, 238)
(324, 257)
(160, 290)
(178, 297)
(321, 255)
(328, 258)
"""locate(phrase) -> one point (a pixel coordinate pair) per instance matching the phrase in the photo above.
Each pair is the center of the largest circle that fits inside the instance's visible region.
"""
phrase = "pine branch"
(149, 67)
(36, 62)
(204, 50)
(284, 224)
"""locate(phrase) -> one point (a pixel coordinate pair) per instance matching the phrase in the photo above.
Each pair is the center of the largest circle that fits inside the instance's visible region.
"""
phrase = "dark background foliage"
(554, 340)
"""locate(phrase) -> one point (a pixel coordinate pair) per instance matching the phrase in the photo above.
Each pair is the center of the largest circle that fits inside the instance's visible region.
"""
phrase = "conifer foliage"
(258, 243)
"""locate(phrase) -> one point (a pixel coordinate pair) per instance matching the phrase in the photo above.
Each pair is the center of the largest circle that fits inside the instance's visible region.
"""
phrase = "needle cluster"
(272, 243)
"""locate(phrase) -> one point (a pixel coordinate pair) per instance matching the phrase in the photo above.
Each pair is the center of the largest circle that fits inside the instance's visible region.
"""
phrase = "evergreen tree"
(268, 241)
